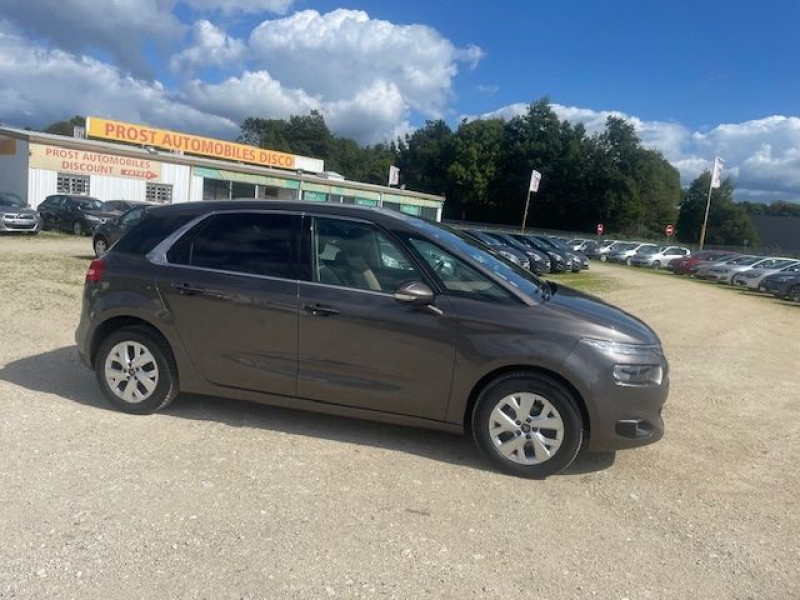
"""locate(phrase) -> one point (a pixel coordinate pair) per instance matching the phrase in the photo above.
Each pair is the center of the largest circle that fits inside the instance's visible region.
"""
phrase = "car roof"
(382, 216)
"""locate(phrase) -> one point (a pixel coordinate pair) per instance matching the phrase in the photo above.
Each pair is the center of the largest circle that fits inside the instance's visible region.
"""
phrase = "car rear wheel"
(137, 371)
(100, 246)
(628, 261)
(794, 293)
(527, 425)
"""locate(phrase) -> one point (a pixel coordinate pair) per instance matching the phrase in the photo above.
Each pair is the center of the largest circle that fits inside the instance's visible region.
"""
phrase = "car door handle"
(189, 290)
(320, 310)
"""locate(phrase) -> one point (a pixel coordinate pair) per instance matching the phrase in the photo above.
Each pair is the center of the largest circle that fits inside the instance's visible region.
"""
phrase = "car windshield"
(515, 276)
(746, 260)
(624, 247)
(9, 199)
(88, 203)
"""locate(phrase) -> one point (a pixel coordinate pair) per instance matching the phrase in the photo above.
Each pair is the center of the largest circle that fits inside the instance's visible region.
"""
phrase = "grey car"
(367, 313)
(16, 216)
(657, 257)
(624, 253)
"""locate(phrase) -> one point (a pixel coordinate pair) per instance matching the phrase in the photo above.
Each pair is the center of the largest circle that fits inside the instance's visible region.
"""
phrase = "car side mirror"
(414, 293)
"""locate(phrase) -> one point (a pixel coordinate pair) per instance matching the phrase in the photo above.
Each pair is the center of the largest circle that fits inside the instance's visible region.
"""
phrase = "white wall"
(41, 183)
(14, 171)
(196, 189)
(104, 187)
(180, 177)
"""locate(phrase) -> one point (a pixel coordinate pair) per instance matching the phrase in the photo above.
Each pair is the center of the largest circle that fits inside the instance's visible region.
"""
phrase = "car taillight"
(95, 272)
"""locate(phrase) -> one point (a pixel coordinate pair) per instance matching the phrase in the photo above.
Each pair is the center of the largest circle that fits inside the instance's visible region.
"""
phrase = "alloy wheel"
(526, 428)
(100, 247)
(131, 372)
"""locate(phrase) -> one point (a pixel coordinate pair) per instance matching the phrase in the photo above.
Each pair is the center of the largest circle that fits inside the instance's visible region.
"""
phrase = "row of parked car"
(779, 276)
(536, 253)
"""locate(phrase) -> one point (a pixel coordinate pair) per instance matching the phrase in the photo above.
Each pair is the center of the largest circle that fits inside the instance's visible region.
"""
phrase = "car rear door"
(231, 287)
(358, 346)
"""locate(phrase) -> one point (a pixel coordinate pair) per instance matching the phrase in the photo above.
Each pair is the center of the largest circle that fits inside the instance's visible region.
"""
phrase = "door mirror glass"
(415, 293)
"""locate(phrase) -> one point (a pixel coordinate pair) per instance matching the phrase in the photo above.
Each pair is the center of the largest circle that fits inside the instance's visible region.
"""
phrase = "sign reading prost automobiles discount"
(669, 230)
(600, 229)
(142, 135)
(84, 162)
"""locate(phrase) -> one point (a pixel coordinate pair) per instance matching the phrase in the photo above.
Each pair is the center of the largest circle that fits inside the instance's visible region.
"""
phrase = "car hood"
(17, 210)
(601, 320)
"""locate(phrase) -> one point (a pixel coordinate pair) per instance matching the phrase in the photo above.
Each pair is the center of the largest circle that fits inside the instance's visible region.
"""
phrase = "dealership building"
(112, 160)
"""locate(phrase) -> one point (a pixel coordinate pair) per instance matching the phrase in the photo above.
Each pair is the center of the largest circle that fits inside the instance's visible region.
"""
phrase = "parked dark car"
(108, 233)
(559, 262)
(788, 288)
(578, 260)
(117, 207)
(540, 263)
(502, 248)
(77, 214)
(16, 216)
(772, 284)
(367, 313)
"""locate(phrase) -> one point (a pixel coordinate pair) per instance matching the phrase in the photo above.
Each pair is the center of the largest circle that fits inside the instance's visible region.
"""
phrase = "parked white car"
(658, 257)
(724, 273)
(752, 278)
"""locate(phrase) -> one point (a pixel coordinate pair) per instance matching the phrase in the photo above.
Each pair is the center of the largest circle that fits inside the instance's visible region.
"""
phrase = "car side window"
(358, 255)
(253, 243)
(456, 276)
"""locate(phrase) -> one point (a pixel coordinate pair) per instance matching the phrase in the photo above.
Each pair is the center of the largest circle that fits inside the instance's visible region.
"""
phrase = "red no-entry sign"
(669, 230)
(600, 229)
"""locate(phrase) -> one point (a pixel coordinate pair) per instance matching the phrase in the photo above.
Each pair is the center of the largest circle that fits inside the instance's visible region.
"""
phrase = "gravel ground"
(220, 499)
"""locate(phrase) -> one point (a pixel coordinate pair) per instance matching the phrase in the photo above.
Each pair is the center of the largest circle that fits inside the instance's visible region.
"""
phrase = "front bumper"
(20, 223)
(620, 416)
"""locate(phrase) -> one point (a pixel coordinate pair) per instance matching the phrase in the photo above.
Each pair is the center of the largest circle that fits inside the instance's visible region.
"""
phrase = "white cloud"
(211, 47)
(762, 156)
(279, 7)
(340, 54)
(87, 86)
(119, 28)
(487, 89)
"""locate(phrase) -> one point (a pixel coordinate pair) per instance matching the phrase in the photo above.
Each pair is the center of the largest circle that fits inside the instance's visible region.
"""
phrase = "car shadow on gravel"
(60, 373)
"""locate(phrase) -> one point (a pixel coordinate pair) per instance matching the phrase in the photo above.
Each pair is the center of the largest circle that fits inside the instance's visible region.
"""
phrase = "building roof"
(37, 137)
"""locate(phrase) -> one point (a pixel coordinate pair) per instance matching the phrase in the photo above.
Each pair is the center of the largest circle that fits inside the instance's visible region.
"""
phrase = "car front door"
(359, 346)
(231, 287)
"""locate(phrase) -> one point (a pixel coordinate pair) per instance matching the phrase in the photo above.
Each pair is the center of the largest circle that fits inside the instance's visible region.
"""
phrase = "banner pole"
(705, 219)
(525, 214)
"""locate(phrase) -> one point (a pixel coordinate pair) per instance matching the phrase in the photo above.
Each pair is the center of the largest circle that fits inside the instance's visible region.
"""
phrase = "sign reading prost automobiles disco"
(83, 162)
(191, 144)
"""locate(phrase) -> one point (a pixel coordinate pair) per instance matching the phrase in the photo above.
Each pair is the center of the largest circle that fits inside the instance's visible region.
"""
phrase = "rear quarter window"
(149, 232)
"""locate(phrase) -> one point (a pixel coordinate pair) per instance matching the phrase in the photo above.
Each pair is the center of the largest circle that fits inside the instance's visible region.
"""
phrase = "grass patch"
(585, 281)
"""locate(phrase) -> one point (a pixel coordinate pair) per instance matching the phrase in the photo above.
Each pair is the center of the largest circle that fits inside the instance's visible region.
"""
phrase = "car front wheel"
(78, 228)
(527, 425)
(137, 371)
(657, 265)
(794, 293)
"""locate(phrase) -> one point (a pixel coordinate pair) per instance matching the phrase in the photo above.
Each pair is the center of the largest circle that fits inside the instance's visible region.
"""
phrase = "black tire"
(603, 258)
(657, 265)
(628, 261)
(100, 241)
(557, 395)
(167, 387)
(78, 228)
(793, 293)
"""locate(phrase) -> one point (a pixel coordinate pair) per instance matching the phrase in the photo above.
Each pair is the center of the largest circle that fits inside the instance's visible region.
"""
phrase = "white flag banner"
(536, 177)
(394, 175)
(716, 175)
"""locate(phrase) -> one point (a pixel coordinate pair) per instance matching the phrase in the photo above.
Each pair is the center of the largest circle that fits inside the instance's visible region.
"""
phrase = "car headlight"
(648, 371)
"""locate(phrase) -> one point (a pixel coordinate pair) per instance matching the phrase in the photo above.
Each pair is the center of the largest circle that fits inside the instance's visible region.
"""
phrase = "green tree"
(66, 128)
(728, 223)
(475, 165)
(424, 157)
(265, 133)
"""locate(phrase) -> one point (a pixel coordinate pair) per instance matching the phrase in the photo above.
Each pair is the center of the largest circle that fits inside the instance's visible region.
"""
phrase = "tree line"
(483, 168)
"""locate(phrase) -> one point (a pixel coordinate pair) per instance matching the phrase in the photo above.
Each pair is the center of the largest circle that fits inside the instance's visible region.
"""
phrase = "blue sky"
(695, 78)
